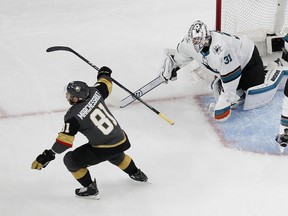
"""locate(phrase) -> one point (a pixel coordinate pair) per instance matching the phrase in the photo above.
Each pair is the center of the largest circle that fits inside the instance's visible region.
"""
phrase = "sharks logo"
(217, 49)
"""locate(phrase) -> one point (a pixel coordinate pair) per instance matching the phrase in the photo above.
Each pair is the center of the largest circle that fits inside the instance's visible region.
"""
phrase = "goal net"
(264, 21)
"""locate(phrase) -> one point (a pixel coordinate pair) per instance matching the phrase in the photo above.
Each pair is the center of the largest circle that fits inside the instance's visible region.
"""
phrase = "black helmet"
(78, 89)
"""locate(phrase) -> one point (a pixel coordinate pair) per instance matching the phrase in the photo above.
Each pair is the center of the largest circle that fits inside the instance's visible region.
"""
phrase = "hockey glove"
(174, 74)
(104, 71)
(169, 67)
(217, 88)
(43, 159)
(282, 139)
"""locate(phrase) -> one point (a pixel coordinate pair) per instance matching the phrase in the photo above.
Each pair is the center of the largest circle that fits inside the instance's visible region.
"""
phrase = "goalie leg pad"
(262, 94)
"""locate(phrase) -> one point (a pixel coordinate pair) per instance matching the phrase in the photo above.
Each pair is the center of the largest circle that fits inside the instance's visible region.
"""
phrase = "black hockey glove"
(43, 159)
(104, 71)
(282, 139)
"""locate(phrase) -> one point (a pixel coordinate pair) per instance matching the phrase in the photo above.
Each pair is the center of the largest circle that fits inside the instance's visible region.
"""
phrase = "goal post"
(263, 21)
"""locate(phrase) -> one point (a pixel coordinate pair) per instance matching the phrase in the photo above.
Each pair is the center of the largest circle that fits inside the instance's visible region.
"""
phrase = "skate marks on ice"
(249, 130)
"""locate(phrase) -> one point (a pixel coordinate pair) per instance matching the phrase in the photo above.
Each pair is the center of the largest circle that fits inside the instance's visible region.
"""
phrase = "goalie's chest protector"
(226, 53)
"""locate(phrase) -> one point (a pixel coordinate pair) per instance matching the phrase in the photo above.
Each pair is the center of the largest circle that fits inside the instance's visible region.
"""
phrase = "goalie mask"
(77, 89)
(199, 35)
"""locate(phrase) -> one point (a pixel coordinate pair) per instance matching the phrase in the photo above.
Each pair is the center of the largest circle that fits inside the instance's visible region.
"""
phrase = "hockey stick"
(142, 91)
(63, 48)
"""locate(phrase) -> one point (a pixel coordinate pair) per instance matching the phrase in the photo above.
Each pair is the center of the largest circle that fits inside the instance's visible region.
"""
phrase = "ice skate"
(282, 148)
(282, 140)
(139, 176)
(90, 192)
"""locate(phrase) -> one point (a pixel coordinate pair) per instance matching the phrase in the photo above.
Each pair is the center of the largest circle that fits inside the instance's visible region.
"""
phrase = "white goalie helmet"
(199, 35)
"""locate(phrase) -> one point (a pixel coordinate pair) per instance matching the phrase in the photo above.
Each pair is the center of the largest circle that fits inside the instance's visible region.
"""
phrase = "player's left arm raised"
(104, 81)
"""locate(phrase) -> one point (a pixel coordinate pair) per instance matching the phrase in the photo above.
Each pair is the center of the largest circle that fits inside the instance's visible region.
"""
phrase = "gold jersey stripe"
(64, 138)
(107, 83)
(125, 163)
(80, 173)
(111, 145)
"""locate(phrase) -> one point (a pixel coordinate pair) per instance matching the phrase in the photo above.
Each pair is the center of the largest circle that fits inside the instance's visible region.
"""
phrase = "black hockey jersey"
(93, 119)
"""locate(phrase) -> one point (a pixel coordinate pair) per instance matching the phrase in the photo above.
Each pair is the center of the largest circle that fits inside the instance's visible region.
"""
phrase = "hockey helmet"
(78, 89)
(199, 35)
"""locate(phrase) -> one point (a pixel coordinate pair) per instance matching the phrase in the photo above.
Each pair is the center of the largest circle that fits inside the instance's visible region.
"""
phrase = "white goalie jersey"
(226, 57)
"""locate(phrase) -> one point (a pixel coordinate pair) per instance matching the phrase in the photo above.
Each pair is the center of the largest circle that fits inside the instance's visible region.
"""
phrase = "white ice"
(190, 171)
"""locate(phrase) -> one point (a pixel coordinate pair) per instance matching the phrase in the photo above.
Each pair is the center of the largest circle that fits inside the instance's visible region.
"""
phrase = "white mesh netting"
(240, 16)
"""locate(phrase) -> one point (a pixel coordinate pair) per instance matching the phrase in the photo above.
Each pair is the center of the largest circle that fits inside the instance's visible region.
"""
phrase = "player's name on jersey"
(89, 106)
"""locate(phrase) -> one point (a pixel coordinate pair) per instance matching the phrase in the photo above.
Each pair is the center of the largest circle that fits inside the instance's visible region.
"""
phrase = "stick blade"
(58, 48)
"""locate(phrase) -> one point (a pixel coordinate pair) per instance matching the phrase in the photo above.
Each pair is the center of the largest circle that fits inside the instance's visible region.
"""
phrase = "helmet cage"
(199, 35)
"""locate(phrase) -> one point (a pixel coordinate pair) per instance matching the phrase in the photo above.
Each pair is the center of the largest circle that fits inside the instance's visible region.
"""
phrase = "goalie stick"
(142, 91)
(64, 48)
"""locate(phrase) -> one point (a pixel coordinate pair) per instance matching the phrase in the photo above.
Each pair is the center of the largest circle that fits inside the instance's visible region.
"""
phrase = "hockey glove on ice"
(43, 159)
(104, 71)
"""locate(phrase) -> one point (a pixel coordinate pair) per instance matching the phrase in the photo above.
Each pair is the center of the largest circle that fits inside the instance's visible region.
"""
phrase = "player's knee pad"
(126, 163)
(70, 163)
(117, 159)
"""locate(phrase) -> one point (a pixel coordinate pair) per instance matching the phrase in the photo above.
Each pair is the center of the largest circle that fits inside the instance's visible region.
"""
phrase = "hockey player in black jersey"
(90, 116)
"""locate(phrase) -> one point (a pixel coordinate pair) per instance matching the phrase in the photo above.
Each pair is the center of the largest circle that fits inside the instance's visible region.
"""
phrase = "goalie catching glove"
(43, 159)
(169, 68)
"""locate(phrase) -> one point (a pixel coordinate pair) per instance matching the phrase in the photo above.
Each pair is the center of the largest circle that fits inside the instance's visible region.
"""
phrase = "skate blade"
(92, 197)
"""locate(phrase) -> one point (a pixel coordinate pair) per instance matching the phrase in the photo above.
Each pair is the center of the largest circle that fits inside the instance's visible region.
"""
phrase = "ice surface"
(190, 170)
(250, 130)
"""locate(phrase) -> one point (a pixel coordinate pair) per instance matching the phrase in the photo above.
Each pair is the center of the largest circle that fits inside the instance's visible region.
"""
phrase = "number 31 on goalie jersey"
(227, 59)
